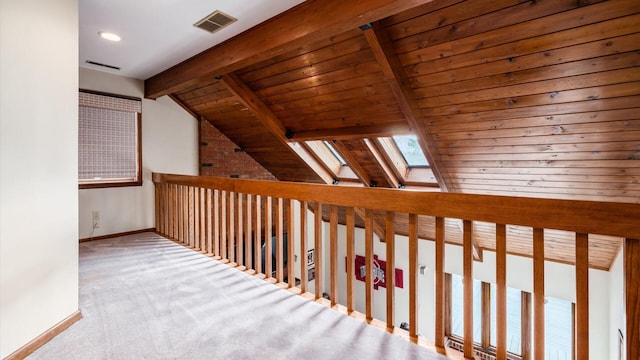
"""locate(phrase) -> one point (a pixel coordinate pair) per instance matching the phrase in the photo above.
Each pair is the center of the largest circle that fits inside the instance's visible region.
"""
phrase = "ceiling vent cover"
(215, 21)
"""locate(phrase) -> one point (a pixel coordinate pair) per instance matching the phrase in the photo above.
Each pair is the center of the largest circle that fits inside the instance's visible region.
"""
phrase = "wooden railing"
(227, 218)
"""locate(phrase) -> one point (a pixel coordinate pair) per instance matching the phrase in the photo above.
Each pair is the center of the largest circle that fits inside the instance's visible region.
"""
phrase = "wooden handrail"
(592, 217)
(244, 223)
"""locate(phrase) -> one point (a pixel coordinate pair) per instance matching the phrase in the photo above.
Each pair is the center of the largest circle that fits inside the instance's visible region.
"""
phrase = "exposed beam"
(353, 132)
(308, 22)
(389, 175)
(260, 110)
(388, 60)
(353, 163)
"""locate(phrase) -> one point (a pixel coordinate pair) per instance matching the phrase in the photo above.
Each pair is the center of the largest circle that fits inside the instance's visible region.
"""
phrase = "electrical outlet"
(95, 219)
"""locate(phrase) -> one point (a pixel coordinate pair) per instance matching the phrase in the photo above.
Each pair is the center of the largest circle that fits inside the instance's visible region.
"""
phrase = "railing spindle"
(203, 221)
(191, 217)
(291, 277)
(333, 254)
(196, 219)
(304, 233)
(279, 240)
(468, 287)
(172, 211)
(209, 207)
(184, 221)
(223, 226)
(257, 248)
(239, 229)
(582, 296)
(413, 277)
(317, 218)
(390, 241)
(248, 241)
(538, 293)
(350, 215)
(440, 289)
(368, 251)
(501, 294)
(216, 224)
(268, 234)
(231, 230)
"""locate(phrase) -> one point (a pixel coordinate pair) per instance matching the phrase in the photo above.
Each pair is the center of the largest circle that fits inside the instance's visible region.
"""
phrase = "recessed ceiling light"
(109, 36)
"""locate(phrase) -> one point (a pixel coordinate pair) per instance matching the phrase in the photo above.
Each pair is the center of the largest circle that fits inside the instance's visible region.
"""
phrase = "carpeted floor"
(145, 297)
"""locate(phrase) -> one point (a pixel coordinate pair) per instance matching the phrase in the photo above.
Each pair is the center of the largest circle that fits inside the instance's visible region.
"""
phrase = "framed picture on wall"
(311, 257)
(311, 274)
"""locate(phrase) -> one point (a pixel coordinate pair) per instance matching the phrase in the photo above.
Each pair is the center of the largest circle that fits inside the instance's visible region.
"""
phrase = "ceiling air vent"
(101, 64)
(215, 21)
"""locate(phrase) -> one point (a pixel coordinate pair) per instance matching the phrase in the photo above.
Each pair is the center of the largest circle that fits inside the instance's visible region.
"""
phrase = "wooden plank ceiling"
(506, 97)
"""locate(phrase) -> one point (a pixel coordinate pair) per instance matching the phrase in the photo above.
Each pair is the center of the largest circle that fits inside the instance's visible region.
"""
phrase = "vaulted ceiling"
(506, 97)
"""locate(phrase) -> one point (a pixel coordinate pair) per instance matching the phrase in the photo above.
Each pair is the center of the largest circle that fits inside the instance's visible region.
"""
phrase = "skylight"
(335, 153)
(410, 149)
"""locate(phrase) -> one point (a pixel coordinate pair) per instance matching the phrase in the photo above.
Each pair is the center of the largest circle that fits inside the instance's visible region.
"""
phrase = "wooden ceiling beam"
(353, 163)
(353, 132)
(388, 172)
(310, 21)
(388, 60)
(261, 111)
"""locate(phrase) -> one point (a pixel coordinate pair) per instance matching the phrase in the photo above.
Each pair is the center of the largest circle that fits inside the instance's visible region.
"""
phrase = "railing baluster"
(190, 224)
(239, 229)
(525, 329)
(209, 207)
(390, 241)
(231, 230)
(223, 226)
(157, 207)
(268, 234)
(413, 277)
(248, 240)
(303, 246)
(582, 296)
(368, 251)
(538, 293)
(279, 240)
(350, 215)
(216, 224)
(501, 295)
(440, 290)
(184, 221)
(257, 248)
(203, 223)
(333, 254)
(196, 219)
(317, 218)
(468, 288)
(172, 211)
(291, 277)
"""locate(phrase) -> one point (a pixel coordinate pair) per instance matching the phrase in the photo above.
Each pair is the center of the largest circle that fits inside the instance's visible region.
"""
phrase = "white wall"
(169, 145)
(616, 304)
(38, 168)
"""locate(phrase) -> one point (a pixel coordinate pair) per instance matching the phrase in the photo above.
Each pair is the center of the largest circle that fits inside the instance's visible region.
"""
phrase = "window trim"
(114, 182)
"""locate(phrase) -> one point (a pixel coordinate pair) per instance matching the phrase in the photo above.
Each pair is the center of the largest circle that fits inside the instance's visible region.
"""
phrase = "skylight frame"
(334, 152)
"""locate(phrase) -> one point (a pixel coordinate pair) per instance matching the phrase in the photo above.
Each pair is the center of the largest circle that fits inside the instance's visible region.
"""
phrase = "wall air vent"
(103, 65)
(215, 21)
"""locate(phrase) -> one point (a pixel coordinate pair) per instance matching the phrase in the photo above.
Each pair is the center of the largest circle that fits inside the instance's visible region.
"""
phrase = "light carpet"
(146, 297)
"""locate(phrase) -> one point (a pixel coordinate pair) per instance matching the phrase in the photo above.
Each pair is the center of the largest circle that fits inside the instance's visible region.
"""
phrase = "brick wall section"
(219, 156)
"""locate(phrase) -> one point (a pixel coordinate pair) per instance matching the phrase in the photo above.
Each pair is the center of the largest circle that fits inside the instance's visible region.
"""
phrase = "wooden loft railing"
(221, 217)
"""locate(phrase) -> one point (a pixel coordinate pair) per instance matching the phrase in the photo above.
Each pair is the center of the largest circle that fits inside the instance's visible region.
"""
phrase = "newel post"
(632, 296)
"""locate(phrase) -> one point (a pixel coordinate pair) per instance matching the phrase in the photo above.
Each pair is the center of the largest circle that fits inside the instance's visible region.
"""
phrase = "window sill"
(109, 184)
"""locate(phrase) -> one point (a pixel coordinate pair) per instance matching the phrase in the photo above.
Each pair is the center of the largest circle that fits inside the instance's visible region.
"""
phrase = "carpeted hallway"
(145, 297)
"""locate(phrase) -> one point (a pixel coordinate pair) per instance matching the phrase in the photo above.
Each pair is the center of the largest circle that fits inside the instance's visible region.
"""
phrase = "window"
(558, 320)
(335, 153)
(109, 140)
(410, 150)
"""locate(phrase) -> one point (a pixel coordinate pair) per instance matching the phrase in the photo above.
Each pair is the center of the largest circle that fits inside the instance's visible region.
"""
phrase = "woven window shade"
(108, 138)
